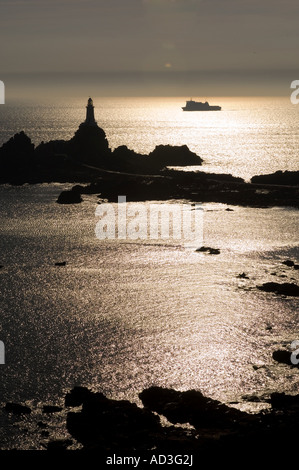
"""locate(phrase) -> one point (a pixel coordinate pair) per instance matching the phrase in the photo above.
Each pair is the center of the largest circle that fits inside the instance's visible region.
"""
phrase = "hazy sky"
(171, 47)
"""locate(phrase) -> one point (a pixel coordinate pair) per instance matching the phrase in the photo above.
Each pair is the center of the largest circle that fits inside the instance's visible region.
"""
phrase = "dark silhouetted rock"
(60, 263)
(69, 197)
(17, 154)
(17, 409)
(189, 407)
(243, 276)
(289, 178)
(281, 401)
(51, 409)
(103, 421)
(77, 396)
(208, 249)
(53, 154)
(288, 262)
(283, 289)
(282, 356)
(168, 155)
(90, 146)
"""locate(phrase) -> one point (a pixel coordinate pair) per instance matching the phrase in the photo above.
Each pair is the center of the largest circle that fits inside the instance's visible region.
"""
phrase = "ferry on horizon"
(192, 105)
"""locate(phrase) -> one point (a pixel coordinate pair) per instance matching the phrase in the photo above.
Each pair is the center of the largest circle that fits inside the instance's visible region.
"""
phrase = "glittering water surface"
(121, 316)
(124, 315)
(248, 136)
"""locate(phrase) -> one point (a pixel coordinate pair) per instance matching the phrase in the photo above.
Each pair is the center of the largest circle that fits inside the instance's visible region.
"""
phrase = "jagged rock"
(17, 409)
(77, 396)
(189, 407)
(90, 146)
(17, 154)
(283, 289)
(103, 420)
(168, 155)
(69, 197)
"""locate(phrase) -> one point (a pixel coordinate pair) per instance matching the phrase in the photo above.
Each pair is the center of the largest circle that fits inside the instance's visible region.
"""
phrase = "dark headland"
(87, 158)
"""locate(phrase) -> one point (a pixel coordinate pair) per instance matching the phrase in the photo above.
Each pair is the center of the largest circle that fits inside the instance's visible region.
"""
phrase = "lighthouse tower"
(90, 120)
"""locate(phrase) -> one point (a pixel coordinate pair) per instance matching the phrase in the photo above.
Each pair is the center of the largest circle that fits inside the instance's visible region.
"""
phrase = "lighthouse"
(90, 120)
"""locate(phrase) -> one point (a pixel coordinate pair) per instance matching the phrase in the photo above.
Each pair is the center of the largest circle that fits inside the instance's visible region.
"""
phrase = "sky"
(149, 47)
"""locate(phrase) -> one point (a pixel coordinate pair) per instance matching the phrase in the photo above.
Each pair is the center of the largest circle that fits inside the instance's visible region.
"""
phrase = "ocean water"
(125, 315)
(248, 136)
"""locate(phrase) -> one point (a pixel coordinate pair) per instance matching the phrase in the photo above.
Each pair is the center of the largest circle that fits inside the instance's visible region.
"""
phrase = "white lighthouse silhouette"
(90, 120)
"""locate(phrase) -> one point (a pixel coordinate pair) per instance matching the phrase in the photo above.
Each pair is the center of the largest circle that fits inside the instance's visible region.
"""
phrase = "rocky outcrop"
(90, 146)
(104, 422)
(69, 197)
(209, 250)
(17, 155)
(168, 155)
(190, 407)
(119, 427)
(289, 178)
(285, 288)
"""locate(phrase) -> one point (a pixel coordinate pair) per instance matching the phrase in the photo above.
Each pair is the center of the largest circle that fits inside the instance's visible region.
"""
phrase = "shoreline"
(195, 424)
(173, 184)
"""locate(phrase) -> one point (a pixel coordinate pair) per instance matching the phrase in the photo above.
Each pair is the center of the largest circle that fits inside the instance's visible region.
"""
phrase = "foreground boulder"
(103, 422)
(69, 197)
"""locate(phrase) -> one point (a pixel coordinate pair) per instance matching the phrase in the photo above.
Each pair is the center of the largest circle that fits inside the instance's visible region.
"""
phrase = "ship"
(199, 106)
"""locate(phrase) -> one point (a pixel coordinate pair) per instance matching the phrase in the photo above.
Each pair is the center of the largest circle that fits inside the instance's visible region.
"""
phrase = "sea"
(249, 136)
(125, 314)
